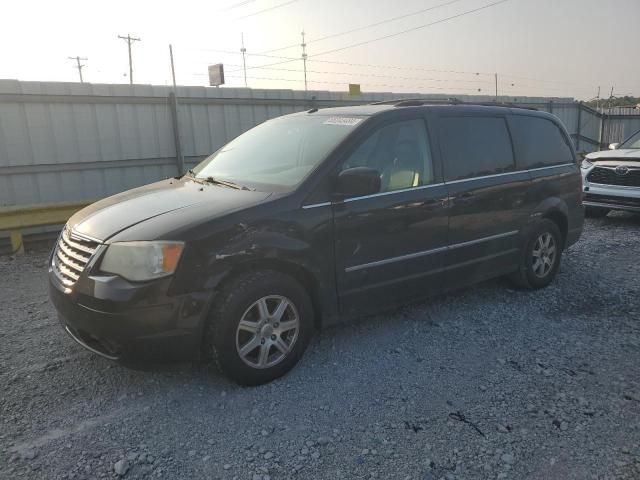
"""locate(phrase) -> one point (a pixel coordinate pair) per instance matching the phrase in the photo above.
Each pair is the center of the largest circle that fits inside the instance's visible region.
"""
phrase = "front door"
(390, 246)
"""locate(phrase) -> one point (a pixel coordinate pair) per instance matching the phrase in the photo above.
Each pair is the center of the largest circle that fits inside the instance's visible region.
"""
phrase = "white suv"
(611, 179)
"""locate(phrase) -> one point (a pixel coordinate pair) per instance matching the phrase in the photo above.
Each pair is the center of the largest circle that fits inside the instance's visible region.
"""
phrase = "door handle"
(436, 202)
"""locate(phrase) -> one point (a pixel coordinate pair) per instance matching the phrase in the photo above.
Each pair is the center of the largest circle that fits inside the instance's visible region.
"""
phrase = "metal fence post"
(173, 105)
(578, 129)
(601, 134)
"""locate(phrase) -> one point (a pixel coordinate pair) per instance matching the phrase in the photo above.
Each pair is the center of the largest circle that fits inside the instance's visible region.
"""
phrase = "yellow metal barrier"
(15, 219)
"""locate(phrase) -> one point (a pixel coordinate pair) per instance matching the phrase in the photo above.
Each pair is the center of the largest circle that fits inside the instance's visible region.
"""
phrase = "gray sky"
(537, 47)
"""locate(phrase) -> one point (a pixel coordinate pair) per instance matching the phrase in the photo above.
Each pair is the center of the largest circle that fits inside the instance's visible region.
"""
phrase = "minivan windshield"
(632, 142)
(277, 154)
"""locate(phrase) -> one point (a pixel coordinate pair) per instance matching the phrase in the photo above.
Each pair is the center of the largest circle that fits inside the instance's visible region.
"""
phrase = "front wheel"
(260, 326)
(541, 256)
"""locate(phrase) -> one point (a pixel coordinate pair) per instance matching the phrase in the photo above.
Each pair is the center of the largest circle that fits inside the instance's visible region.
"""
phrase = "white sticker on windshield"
(345, 121)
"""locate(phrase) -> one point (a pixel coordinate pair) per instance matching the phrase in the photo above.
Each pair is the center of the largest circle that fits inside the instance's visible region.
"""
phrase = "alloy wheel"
(544, 255)
(267, 331)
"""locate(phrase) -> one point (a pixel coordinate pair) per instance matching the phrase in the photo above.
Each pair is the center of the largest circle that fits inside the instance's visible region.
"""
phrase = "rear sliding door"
(486, 196)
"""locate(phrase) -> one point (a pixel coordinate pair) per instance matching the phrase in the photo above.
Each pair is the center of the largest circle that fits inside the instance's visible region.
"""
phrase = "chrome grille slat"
(68, 272)
(69, 253)
(71, 256)
(61, 277)
(76, 245)
(66, 261)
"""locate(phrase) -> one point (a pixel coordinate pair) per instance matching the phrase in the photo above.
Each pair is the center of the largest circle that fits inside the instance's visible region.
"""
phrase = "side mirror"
(358, 181)
(613, 146)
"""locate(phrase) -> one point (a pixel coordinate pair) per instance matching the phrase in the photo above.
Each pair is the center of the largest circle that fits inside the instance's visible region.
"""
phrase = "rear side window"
(539, 142)
(475, 146)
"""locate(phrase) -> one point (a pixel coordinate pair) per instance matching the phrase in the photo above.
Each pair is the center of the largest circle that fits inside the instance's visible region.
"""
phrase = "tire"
(269, 304)
(531, 274)
(595, 212)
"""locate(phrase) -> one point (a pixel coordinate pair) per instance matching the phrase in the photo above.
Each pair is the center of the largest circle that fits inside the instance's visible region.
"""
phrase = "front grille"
(608, 176)
(71, 255)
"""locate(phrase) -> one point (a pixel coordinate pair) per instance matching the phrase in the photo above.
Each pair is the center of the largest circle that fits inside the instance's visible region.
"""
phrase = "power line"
(260, 12)
(386, 66)
(400, 67)
(453, 89)
(391, 35)
(371, 75)
(371, 25)
(342, 83)
(236, 5)
(413, 29)
(490, 76)
(129, 39)
(294, 59)
(79, 66)
(487, 84)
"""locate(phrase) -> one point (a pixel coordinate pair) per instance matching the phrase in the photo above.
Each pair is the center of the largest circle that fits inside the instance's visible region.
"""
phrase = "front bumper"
(613, 197)
(123, 321)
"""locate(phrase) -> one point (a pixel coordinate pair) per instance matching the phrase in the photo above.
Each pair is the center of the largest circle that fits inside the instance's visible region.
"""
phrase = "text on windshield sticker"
(345, 121)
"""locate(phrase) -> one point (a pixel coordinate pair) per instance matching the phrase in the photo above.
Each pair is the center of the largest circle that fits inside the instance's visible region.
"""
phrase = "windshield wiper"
(227, 183)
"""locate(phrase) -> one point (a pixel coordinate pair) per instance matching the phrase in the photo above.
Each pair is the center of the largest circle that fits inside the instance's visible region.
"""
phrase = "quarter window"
(400, 152)
(539, 142)
(475, 146)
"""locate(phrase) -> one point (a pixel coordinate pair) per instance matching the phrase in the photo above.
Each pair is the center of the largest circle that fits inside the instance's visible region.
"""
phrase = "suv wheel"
(260, 327)
(541, 258)
(595, 212)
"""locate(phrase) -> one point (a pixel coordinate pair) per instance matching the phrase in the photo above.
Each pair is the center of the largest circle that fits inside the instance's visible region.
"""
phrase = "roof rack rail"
(412, 102)
(417, 102)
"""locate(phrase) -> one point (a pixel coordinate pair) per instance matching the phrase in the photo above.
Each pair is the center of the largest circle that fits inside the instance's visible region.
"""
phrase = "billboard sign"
(216, 75)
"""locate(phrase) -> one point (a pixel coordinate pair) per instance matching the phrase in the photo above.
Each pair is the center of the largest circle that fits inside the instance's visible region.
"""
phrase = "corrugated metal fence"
(62, 142)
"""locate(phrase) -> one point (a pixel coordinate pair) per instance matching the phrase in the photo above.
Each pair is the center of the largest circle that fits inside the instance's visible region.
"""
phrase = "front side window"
(475, 146)
(539, 142)
(632, 142)
(399, 152)
(277, 154)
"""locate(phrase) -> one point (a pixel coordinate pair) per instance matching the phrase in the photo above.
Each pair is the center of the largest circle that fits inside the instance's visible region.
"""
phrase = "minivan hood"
(622, 154)
(108, 217)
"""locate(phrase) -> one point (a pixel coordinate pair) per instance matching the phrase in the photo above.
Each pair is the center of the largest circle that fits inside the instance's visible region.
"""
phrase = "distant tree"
(625, 101)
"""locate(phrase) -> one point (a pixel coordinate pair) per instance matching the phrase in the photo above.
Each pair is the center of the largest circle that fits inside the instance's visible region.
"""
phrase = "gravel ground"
(488, 382)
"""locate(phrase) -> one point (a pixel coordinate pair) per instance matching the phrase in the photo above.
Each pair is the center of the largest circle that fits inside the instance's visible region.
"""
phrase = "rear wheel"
(595, 212)
(541, 256)
(260, 327)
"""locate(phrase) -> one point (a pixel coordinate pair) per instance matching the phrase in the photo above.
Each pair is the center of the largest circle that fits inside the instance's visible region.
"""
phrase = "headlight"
(586, 164)
(139, 261)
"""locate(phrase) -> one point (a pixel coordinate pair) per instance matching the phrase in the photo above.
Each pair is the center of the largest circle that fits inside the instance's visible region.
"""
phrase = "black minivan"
(315, 217)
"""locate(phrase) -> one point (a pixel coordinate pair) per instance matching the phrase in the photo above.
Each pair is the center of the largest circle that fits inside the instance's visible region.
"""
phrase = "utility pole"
(79, 66)
(304, 60)
(173, 96)
(496, 77)
(129, 39)
(610, 97)
(244, 61)
(173, 69)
